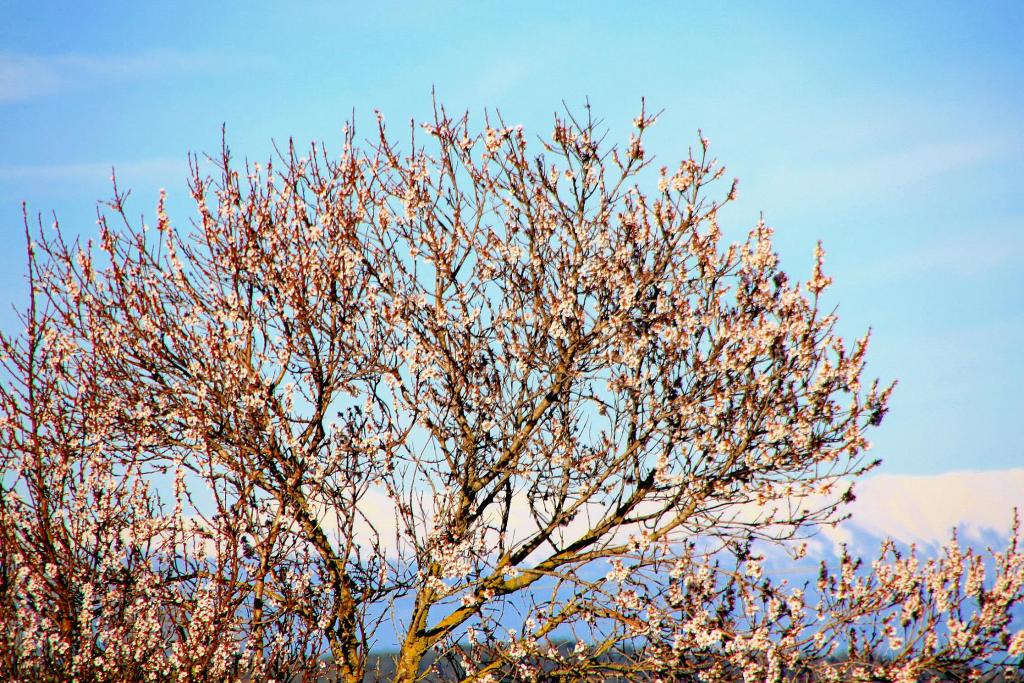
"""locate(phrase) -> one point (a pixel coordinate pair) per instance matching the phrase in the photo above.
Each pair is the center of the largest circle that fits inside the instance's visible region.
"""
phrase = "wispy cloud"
(26, 77)
(889, 173)
(964, 255)
(91, 172)
(503, 76)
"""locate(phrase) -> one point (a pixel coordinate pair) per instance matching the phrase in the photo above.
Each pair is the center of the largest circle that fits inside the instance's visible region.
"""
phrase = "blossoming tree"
(544, 411)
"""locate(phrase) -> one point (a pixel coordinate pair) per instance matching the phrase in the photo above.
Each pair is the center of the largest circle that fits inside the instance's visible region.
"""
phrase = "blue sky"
(893, 133)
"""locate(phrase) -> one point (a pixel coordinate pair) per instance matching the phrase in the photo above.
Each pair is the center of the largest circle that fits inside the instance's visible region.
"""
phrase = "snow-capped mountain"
(924, 509)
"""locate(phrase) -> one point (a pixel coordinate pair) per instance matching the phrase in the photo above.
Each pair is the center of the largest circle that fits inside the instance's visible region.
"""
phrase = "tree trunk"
(416, 643)
(345, 648)
(409, 659)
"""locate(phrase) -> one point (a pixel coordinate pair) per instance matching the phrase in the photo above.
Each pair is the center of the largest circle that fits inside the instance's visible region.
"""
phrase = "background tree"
(583, 410)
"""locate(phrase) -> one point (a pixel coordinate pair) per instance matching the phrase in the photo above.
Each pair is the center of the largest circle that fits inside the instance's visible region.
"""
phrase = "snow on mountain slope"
(919, 509)
(924, 509)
